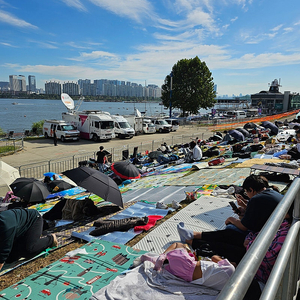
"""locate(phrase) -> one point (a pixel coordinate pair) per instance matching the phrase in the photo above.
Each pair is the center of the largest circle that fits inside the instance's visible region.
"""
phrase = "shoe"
(161, 205)
(55, 242)
(176, 205)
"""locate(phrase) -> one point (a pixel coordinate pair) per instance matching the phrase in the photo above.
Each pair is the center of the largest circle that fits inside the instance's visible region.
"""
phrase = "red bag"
(216, 161)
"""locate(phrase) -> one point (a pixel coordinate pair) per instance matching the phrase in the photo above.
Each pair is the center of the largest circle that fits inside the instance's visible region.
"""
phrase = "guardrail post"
(172, 140)
(73, 161)
(49, 165)
(152, 145)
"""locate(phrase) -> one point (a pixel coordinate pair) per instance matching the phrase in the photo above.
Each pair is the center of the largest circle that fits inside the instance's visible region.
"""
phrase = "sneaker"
(55, 242)
(161, 205)
(176, 205)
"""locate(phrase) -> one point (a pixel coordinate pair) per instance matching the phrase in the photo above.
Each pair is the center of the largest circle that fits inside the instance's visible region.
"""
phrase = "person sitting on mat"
(262, 203)
(20, 235)
(182, 263)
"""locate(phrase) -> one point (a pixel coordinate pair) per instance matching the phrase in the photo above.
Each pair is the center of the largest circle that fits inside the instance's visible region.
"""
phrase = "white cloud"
(288, 29)
(297, 23)
(46, 45)
(7, 44)
(75, 3)
(277, 27)
(234, 19)
(10, 19)
(133, 9)
(96, 54)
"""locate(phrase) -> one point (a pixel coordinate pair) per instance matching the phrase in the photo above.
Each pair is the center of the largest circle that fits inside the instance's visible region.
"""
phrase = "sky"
(245, 43)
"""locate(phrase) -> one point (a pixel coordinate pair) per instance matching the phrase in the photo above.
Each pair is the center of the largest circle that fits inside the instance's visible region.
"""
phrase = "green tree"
(192, 88)
(37, 127)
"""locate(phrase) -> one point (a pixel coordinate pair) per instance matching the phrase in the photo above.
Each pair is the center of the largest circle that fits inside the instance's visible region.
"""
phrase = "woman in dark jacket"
(20, 235)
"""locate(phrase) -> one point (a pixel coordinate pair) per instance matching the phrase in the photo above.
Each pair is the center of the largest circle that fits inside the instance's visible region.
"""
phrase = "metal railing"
(284, 278)
(37, 169)
(10, 145)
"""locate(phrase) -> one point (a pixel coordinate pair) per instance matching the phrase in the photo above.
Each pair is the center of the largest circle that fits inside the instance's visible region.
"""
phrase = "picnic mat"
(213, 176)
(172, 169)
(67, 193)
(77, 275)
(204, 214)
(154, 181)
(139, 209)
(259, 161)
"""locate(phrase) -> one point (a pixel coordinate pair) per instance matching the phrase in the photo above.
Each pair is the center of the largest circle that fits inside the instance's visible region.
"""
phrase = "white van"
(122, 128)
(64, 131)
(162, 125)
(174, 123)
(236, 114)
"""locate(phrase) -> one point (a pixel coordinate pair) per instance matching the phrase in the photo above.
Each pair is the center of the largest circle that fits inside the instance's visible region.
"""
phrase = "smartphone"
(234, 207)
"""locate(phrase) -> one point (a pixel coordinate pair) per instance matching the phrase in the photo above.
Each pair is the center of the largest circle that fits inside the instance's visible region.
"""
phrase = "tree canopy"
(192, 88)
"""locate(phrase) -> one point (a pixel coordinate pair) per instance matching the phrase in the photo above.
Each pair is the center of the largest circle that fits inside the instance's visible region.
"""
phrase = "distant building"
(31, 84)
(81, 83)
(52, 88)
(17, 83)
(4, 86)
(274, 101)
(71, 88)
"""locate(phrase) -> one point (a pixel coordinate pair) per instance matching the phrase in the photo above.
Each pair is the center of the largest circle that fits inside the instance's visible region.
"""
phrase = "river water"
(21, 116)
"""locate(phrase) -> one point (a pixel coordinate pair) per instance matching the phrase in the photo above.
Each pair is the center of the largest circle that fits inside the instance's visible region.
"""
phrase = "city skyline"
(245, 43)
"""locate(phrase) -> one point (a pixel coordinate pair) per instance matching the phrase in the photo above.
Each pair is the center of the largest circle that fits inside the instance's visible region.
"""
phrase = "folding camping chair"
(125, 154)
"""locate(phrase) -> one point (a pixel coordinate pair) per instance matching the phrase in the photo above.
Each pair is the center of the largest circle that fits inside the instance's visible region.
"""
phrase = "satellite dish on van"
(138, 113)
(67, 101)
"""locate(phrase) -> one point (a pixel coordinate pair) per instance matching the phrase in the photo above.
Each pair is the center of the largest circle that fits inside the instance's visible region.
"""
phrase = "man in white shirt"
(197, 153)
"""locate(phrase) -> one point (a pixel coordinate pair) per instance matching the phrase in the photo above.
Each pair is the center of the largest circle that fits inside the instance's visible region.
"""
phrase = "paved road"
(43, 149)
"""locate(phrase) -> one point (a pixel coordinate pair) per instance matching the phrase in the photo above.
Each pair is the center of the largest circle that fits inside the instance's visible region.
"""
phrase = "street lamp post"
(171, 86)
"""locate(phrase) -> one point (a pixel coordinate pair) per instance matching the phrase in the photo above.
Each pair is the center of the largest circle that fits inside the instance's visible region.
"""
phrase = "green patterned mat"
(77, 276)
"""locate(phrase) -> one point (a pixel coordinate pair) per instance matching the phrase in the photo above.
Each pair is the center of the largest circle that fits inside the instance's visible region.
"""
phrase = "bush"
(37, 127)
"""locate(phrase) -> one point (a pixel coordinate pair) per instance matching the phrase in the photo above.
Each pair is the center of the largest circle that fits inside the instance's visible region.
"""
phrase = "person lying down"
(181, 262)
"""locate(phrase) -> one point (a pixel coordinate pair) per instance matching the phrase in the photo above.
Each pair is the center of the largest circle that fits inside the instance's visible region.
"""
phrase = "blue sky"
(245, 43)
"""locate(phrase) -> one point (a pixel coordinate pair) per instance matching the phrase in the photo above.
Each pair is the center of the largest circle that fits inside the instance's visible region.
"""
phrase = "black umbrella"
(126, 170)
(30, 189)
(237, 135)
(60, 185)
(250, 126)
(269, 125)
(243, 131)
(155, 154)
(97, 183)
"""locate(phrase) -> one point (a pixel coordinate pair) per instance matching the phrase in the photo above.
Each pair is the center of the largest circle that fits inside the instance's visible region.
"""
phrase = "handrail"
(237, 285)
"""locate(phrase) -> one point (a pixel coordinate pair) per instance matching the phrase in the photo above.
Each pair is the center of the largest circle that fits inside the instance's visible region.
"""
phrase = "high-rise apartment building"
(17, 83)
(52, 88)
(31, 84)
(71, 88)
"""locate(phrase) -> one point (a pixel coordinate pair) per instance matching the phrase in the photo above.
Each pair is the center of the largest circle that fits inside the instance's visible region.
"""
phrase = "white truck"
(64, 131)
(93, 125)
(122, 128)
(141, 124)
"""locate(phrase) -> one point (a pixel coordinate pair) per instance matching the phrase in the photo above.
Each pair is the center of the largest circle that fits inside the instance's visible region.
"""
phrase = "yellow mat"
(259, 161)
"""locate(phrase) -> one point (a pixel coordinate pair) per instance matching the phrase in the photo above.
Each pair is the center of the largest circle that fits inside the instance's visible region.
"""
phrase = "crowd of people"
(21, 228)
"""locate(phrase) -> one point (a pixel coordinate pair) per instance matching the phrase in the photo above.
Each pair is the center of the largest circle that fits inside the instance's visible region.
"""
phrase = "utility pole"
(171, 87)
